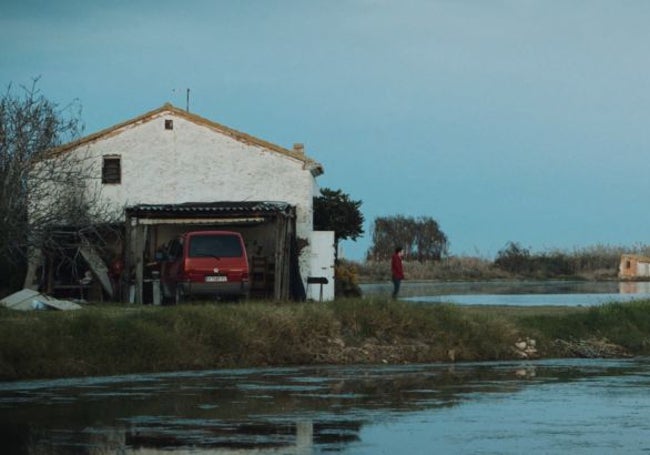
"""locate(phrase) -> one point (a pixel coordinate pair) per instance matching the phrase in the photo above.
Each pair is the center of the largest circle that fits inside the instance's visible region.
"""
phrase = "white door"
(321, 266)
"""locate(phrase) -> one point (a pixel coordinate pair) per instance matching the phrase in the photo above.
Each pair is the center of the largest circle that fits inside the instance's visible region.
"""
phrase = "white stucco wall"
(195, 163)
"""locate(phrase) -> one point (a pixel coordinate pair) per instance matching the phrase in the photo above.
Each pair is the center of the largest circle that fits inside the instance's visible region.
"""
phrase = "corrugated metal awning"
(220, 210)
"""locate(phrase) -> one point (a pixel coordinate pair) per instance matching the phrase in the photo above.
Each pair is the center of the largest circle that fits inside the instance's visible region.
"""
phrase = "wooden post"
(127, 257)
(140, 237)
(280, 258)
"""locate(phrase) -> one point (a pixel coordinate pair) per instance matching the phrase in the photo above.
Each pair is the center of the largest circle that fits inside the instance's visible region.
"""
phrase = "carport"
(268, 229)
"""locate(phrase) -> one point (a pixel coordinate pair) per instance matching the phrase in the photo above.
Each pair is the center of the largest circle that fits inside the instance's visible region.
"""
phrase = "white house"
(170, 170)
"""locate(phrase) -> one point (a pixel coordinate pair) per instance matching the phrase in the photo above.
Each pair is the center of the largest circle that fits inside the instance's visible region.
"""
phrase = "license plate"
(216, 279)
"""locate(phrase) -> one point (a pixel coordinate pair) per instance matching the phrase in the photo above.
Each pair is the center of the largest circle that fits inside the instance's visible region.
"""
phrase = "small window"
(111, 170)
(169, 124)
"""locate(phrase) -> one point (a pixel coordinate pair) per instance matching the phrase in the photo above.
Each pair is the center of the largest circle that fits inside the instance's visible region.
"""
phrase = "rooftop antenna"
(187, 98)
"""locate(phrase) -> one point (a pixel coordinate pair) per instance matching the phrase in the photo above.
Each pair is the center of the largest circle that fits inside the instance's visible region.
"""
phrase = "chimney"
(299, 148)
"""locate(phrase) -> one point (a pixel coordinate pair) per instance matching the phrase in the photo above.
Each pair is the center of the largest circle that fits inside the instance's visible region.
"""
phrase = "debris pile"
(592, 348)
(28, 299)
(526, 348)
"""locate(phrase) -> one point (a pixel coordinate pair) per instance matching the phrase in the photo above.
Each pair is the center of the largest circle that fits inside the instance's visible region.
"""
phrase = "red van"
(205, 263)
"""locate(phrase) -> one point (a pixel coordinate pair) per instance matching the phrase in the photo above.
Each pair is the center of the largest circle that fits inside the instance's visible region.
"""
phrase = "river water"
(521, 293)
(549, 407)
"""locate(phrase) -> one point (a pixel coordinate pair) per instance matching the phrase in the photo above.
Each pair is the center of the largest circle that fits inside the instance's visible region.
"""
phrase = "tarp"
(28, 299)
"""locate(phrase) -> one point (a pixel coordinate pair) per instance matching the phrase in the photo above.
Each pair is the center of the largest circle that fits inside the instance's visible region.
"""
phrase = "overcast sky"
(504, 120)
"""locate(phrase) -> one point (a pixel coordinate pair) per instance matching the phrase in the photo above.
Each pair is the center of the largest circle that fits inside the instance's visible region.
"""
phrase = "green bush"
(347, 280)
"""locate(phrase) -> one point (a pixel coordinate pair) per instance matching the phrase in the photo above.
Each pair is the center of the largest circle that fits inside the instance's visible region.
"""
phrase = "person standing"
(397, 270)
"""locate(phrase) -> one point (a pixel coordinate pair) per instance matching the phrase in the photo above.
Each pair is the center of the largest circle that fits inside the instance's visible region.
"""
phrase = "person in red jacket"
(397, 270)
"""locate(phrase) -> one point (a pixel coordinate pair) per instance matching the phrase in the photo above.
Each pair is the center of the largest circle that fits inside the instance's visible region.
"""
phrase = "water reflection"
(282, 410)
(634, 287)
(522, 293)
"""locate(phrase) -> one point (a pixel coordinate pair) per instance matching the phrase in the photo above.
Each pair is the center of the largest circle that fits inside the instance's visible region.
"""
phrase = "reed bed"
(599, 262)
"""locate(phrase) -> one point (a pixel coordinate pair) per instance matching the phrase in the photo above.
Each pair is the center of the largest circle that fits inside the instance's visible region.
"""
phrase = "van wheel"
(179, 295)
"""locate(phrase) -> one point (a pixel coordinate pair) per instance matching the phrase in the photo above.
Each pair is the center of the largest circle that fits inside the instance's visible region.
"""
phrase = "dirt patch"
(375, 351)
(591, 349)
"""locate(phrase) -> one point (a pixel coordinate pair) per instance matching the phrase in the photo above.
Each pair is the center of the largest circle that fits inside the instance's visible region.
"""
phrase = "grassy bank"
(106, 340)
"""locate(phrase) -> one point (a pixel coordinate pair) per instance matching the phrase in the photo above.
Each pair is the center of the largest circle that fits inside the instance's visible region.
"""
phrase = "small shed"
(634, 266)
(268, 228)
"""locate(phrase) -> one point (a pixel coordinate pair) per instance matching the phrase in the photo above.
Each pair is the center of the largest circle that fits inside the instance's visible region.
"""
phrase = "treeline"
(514, 261)
(594, 261)
(420, 238)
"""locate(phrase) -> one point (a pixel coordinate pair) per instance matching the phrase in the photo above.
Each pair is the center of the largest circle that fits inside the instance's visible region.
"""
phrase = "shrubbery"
(598, 262)
(447, 269)
(347, 280)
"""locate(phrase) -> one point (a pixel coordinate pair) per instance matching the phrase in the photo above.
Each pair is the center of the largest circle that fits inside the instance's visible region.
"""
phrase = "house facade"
(169, 171)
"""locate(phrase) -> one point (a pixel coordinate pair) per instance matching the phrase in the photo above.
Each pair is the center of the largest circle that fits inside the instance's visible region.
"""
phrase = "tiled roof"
(315, 167)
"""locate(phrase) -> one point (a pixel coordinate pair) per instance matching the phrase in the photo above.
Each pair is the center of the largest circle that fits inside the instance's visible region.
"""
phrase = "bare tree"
(63, 190)
(40, 188)
(30, 125)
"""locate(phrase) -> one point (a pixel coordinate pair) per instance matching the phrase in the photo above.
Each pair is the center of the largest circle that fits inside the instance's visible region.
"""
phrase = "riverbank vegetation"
(514, 261)
(120, 339)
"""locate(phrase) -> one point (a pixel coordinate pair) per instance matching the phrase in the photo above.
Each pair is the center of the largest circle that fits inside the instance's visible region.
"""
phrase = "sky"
(504, 120)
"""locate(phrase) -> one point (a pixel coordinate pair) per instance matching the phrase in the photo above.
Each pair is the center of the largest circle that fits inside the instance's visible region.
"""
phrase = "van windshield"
(215, 246)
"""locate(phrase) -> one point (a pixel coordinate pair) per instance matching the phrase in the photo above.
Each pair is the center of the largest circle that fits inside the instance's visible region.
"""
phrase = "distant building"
(634, 266)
